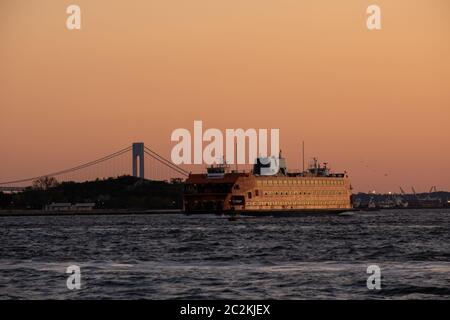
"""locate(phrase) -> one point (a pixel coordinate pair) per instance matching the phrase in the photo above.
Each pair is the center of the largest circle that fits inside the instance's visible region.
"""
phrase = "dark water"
(208, 257)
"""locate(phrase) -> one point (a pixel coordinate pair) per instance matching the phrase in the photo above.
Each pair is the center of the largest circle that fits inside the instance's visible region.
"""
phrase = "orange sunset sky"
(374, 103)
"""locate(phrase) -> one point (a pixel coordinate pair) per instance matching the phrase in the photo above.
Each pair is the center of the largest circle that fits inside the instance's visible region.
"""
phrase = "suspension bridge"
(145, 164)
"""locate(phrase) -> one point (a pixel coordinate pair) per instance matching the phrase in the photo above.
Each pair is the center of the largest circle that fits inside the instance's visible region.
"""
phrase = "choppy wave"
(207, 257)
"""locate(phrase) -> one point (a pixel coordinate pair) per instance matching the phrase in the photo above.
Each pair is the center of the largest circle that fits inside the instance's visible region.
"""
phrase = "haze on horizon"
(373, 103)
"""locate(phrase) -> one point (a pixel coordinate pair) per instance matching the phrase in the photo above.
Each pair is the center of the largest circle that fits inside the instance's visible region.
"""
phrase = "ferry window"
(249, 195)
(236, 187)
(256, 193)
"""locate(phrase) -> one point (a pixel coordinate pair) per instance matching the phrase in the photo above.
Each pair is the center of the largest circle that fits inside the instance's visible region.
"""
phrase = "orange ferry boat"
(221, 191)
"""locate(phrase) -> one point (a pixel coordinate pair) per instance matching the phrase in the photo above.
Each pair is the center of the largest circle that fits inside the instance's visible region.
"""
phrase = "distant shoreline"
(22, 213)
(43, 213)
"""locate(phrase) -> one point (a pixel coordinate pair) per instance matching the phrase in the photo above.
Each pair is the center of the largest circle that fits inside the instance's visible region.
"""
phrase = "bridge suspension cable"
(79, 167)
(165, 162)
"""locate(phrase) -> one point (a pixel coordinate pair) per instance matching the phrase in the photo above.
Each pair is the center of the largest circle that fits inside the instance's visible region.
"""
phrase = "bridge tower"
(138, 153)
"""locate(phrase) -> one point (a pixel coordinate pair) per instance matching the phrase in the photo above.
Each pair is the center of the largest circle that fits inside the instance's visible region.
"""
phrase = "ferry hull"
(275, 213)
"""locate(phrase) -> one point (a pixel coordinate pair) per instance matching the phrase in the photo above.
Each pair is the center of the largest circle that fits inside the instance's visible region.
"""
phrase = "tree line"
(124, 192)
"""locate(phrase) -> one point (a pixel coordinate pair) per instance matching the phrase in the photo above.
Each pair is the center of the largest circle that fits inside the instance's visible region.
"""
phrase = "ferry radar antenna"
(303, 156)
